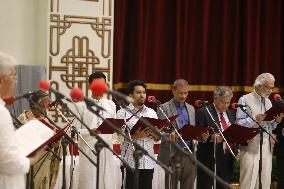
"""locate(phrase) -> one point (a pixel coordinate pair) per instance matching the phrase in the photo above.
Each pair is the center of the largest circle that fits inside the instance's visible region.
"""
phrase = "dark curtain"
(207, 42)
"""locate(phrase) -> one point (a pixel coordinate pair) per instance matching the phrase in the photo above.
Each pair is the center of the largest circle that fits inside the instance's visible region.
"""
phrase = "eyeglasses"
(11, 76)
(268, 87)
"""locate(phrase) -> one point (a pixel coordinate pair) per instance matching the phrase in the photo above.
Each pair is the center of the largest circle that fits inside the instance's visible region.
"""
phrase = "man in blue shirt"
(169, 155)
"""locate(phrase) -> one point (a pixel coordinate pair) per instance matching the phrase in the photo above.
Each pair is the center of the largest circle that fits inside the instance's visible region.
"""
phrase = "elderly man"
(257, 103)
(224, 117)
(13, 164)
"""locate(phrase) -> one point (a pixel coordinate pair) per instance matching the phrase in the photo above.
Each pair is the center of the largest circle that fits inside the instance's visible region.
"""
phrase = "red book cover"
(272, 112)
(105, 128)
(239, 134)
(190, 132)
(159, 123)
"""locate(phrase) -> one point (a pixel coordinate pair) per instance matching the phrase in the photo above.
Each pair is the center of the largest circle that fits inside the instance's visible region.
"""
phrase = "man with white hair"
(13, 164)
(258, 103)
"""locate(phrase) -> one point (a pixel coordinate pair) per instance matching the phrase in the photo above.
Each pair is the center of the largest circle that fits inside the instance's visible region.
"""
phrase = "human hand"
(279, 117)
(141, 133)
(260, 117)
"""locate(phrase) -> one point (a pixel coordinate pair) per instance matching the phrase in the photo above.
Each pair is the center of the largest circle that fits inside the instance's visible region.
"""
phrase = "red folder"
(104, 128)
(272, 112)
(239, 134)
(189, 132)
(159, 123)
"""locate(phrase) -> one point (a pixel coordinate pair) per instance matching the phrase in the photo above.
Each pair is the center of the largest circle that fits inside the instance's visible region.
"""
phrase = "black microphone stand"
(262, 129)
(73, 132)
(65, 136)
(176, 168)
(136, 145)
(101, 143)
(215, 142)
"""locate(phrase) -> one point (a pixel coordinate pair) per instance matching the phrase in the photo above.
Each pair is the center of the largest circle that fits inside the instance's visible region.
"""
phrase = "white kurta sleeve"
(12, 161)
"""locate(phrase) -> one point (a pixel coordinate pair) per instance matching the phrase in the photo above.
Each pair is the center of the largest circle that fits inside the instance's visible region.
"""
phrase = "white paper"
(32, 135)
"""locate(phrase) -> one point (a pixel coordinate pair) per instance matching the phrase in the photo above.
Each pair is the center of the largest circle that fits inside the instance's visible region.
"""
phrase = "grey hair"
(222, 91)
(262, 78)
(7, 62)
(180, 82)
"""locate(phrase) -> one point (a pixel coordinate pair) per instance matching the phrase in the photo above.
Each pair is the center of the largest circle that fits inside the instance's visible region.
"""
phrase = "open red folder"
(159, 123)
(105, 128)
(272, 112)
(35, 134)
(189, 132)
(239, 134)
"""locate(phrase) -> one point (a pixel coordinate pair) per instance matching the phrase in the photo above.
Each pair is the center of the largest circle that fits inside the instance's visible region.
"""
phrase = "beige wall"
(23, 26)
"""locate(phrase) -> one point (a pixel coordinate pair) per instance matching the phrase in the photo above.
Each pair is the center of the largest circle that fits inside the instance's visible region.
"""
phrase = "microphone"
(153, 99)
(45, 86)
(200, 103)
(77, 95)
(277, 98)
(98, 88)
(236, 105)
(12, 99)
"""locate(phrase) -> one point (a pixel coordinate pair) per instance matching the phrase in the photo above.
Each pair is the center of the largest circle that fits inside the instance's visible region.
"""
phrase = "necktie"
(223, 121)
(263, 108)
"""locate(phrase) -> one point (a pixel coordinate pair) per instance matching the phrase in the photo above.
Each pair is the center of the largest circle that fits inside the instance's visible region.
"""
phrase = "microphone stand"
(137, 146)
(127, 132)
(262, 129)
(190, 155)
(66, 137)
(73, 132)
(177, 165)
(101, 143)
(215, 142)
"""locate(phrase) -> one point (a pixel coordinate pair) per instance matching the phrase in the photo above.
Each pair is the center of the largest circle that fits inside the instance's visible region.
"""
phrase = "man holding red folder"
(177, 105)
(258, 103)
(143, 136)
(224, 117)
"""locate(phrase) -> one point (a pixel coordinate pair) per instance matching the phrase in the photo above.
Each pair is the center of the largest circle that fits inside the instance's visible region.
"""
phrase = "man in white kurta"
(13, 164)
(87, 171)
(257, 103)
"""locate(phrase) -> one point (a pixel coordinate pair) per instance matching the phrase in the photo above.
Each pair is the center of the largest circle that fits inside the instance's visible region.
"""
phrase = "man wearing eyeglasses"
(13, 165)
(258, 103)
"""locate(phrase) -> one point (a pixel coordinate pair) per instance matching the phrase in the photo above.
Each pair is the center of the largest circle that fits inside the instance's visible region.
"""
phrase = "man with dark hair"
(87, 171)
(144, 137)
(224, 117)
(96, 75)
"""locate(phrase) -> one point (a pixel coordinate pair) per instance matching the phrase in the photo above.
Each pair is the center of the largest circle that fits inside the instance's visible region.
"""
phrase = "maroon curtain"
(207, 42)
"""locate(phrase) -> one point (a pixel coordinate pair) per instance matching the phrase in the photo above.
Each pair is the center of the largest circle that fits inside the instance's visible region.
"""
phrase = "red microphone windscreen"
(197, 103)
(98, 87)
(44, 85)
(151, 98)
(76, 94)
(234, 106)
(9, 100)
(276, 97)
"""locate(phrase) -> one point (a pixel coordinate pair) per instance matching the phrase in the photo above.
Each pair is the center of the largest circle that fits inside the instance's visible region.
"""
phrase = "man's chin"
(265, 95)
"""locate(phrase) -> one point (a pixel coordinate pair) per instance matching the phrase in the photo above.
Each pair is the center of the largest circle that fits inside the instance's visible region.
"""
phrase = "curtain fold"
(207, 42)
